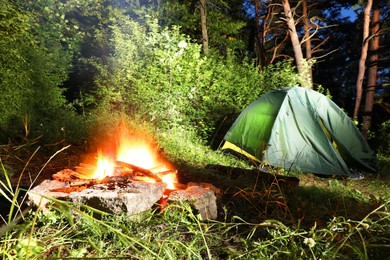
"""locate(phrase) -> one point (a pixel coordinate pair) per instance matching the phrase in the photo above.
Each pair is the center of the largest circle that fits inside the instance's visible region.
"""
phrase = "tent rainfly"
(300, 129)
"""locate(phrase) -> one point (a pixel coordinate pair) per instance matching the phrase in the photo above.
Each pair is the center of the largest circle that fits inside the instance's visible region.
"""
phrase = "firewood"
(85, 170)
(69, 189)
(82, 182)
(67, 175)
(138, 169)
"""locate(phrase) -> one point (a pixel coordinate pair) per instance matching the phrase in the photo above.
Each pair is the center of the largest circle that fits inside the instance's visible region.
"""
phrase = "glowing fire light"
(134, 149)
(170, 180)
(137, 154)
(105, 167)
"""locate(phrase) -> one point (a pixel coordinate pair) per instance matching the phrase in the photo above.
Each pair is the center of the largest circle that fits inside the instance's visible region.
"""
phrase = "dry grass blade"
(39, 173)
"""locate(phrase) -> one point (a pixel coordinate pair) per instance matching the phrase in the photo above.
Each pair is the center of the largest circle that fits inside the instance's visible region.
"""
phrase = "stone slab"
(131, 198)
(204, 200)
(128, 197)
(40, 195)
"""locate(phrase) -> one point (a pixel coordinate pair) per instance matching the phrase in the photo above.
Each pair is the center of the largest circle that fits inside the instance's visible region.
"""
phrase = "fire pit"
(130, 181)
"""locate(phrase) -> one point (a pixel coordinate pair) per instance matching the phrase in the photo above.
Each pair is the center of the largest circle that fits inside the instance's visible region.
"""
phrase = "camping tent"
(301, 129)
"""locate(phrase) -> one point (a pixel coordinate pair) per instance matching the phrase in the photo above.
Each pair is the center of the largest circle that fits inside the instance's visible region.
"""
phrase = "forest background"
(67, 66)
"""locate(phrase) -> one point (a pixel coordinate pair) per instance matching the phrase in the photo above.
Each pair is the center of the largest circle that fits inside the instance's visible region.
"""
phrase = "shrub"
(169, 82)
(383, 139)
(35, 61)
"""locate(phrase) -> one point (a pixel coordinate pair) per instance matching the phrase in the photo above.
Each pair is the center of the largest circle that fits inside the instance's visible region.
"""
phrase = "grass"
(321, 218)
(178, 233)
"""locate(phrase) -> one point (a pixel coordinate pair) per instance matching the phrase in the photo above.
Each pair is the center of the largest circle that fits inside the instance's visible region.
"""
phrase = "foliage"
(39, 53)
(162, 77)
(196, 91)
(144, 71)
(15, 43)
(381, 139)
(305, 75)
(137, 67)
(168, 82)
(280, 75)
(185, 145)
(324, 91)
(226, 23)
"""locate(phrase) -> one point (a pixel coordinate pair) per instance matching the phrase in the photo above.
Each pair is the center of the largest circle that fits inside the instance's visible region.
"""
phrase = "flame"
(170, 180)
(136, 152)
(136, 149)
(105, 166)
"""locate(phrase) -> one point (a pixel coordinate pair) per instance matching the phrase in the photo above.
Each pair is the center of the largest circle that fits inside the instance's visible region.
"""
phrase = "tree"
(260, 52)
(270, 36)
(307, 38)
(300, 61)
(310, 28)
(362, 61)
(226, 23)
(203, 22)
(372, 69)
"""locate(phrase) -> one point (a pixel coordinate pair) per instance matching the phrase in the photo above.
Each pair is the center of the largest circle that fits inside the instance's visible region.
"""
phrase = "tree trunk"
(259, 37)
(205, 37)
(372, 69)
(296, 45)
(307, 35)
(362, 62)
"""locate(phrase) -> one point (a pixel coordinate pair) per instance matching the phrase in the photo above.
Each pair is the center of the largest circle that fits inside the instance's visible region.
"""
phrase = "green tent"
(301, 129)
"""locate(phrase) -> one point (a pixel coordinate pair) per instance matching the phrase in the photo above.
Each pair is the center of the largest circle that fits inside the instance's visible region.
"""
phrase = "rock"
(131, 198)
(40, 195)
(203, 200)
(124, 197)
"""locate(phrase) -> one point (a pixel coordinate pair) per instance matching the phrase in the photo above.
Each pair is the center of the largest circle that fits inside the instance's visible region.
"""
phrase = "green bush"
(281, 75)
(146, 72)
(383, 139)
(163, 78)
(35, 61)
(15, 43)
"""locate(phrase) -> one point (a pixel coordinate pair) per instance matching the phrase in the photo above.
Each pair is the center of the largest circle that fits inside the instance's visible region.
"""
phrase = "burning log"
(69, 189)
(143, 171)
(85, 170)
(68, 175)
(123, 169)
(82, 183)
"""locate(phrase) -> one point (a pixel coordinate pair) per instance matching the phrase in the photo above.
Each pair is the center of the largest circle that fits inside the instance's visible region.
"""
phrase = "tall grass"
(178, 233)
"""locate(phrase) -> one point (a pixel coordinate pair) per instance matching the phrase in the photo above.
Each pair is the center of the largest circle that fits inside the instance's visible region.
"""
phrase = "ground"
(253, 195)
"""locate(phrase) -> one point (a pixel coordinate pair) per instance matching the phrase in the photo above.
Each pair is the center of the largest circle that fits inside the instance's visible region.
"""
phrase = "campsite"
(194, 129)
